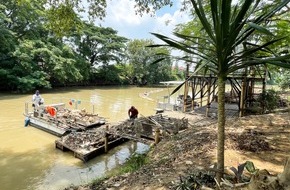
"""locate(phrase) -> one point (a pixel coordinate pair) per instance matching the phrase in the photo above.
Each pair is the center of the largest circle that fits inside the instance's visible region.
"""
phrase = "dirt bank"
(262, 139)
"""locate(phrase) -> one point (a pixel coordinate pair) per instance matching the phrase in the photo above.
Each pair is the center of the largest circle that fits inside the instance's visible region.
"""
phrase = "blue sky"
(121, 17)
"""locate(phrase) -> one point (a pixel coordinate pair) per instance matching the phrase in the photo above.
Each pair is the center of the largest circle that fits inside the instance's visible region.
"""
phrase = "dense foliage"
(34, 55)
(283, 79)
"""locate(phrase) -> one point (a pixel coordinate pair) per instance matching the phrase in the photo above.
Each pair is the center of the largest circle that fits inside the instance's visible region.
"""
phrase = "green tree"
(31, 56)
(108, 75)
(177, 73)
(229, 28)
(99, 45)
(283, 79)
(141, 58)
(18, 23)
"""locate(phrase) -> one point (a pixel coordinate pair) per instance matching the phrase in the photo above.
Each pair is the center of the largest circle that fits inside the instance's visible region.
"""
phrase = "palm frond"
(247, 52)
(260, 28)
(157, 61)
(281, 61)
(198, 8)
(177, 88)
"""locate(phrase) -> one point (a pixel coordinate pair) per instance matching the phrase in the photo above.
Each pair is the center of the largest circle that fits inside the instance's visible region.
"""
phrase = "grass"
(133, 163)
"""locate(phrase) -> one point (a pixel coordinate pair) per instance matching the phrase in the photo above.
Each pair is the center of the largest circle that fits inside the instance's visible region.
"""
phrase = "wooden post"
(264, 80)
(185, 94)
(251, 91)
(106, 139)
(157, 135)
(242, 98)
(252, 85)
(208, 96)
(193, 94)
(201, 92)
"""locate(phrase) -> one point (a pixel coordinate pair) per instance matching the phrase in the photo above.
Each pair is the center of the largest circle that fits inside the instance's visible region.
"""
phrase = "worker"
(37, 100)
(133, 112)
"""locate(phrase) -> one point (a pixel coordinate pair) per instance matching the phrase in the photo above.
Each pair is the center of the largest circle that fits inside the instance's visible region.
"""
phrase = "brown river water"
(28, 157)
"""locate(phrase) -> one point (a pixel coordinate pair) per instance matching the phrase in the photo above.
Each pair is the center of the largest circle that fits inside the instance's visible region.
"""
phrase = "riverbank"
(262, 139)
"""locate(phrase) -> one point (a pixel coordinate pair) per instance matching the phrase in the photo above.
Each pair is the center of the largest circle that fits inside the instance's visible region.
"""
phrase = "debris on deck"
(58, 120)
(91, 143)
(145, 127)
(78, 119)
(88, 144)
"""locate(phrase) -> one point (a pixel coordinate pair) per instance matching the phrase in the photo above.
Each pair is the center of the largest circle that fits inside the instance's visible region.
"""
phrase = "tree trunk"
(221, 127)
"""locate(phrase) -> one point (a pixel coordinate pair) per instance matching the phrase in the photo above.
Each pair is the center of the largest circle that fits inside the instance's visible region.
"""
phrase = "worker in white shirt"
(37, 100)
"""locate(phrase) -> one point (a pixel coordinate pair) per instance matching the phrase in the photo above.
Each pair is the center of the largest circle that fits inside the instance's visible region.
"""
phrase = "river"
(29, 159)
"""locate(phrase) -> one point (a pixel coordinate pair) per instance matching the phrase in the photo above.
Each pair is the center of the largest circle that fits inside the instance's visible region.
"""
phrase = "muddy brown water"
(29, 159)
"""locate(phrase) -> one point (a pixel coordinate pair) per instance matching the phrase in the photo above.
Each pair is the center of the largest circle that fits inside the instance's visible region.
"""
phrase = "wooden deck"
(87, 154)
(88, 144)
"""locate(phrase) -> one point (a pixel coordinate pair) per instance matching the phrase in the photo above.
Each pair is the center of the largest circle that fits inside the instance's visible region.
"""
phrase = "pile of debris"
(73, 119)
(250, 140)
(147, 126)
(84, 142)
(81, 117)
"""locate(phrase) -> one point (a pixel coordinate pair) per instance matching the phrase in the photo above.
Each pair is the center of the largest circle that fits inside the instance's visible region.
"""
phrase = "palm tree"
(228, 29)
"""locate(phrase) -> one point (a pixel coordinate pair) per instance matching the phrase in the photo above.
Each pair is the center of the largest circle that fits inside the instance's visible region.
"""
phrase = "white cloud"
(122, 11)
(121, 16)
(166, 23)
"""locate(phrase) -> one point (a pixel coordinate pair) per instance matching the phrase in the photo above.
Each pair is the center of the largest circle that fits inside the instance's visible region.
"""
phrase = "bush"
(269, 100)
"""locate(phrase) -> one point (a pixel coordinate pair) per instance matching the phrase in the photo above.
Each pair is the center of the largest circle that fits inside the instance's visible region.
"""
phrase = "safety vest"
(51, 110)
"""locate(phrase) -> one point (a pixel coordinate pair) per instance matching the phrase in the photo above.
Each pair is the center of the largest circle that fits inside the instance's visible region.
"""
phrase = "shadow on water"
(27, 168)
(58, 90)
(4, 96)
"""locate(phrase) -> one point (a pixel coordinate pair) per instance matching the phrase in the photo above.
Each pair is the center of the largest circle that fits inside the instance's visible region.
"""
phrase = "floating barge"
(61, 121)
(47, 126)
